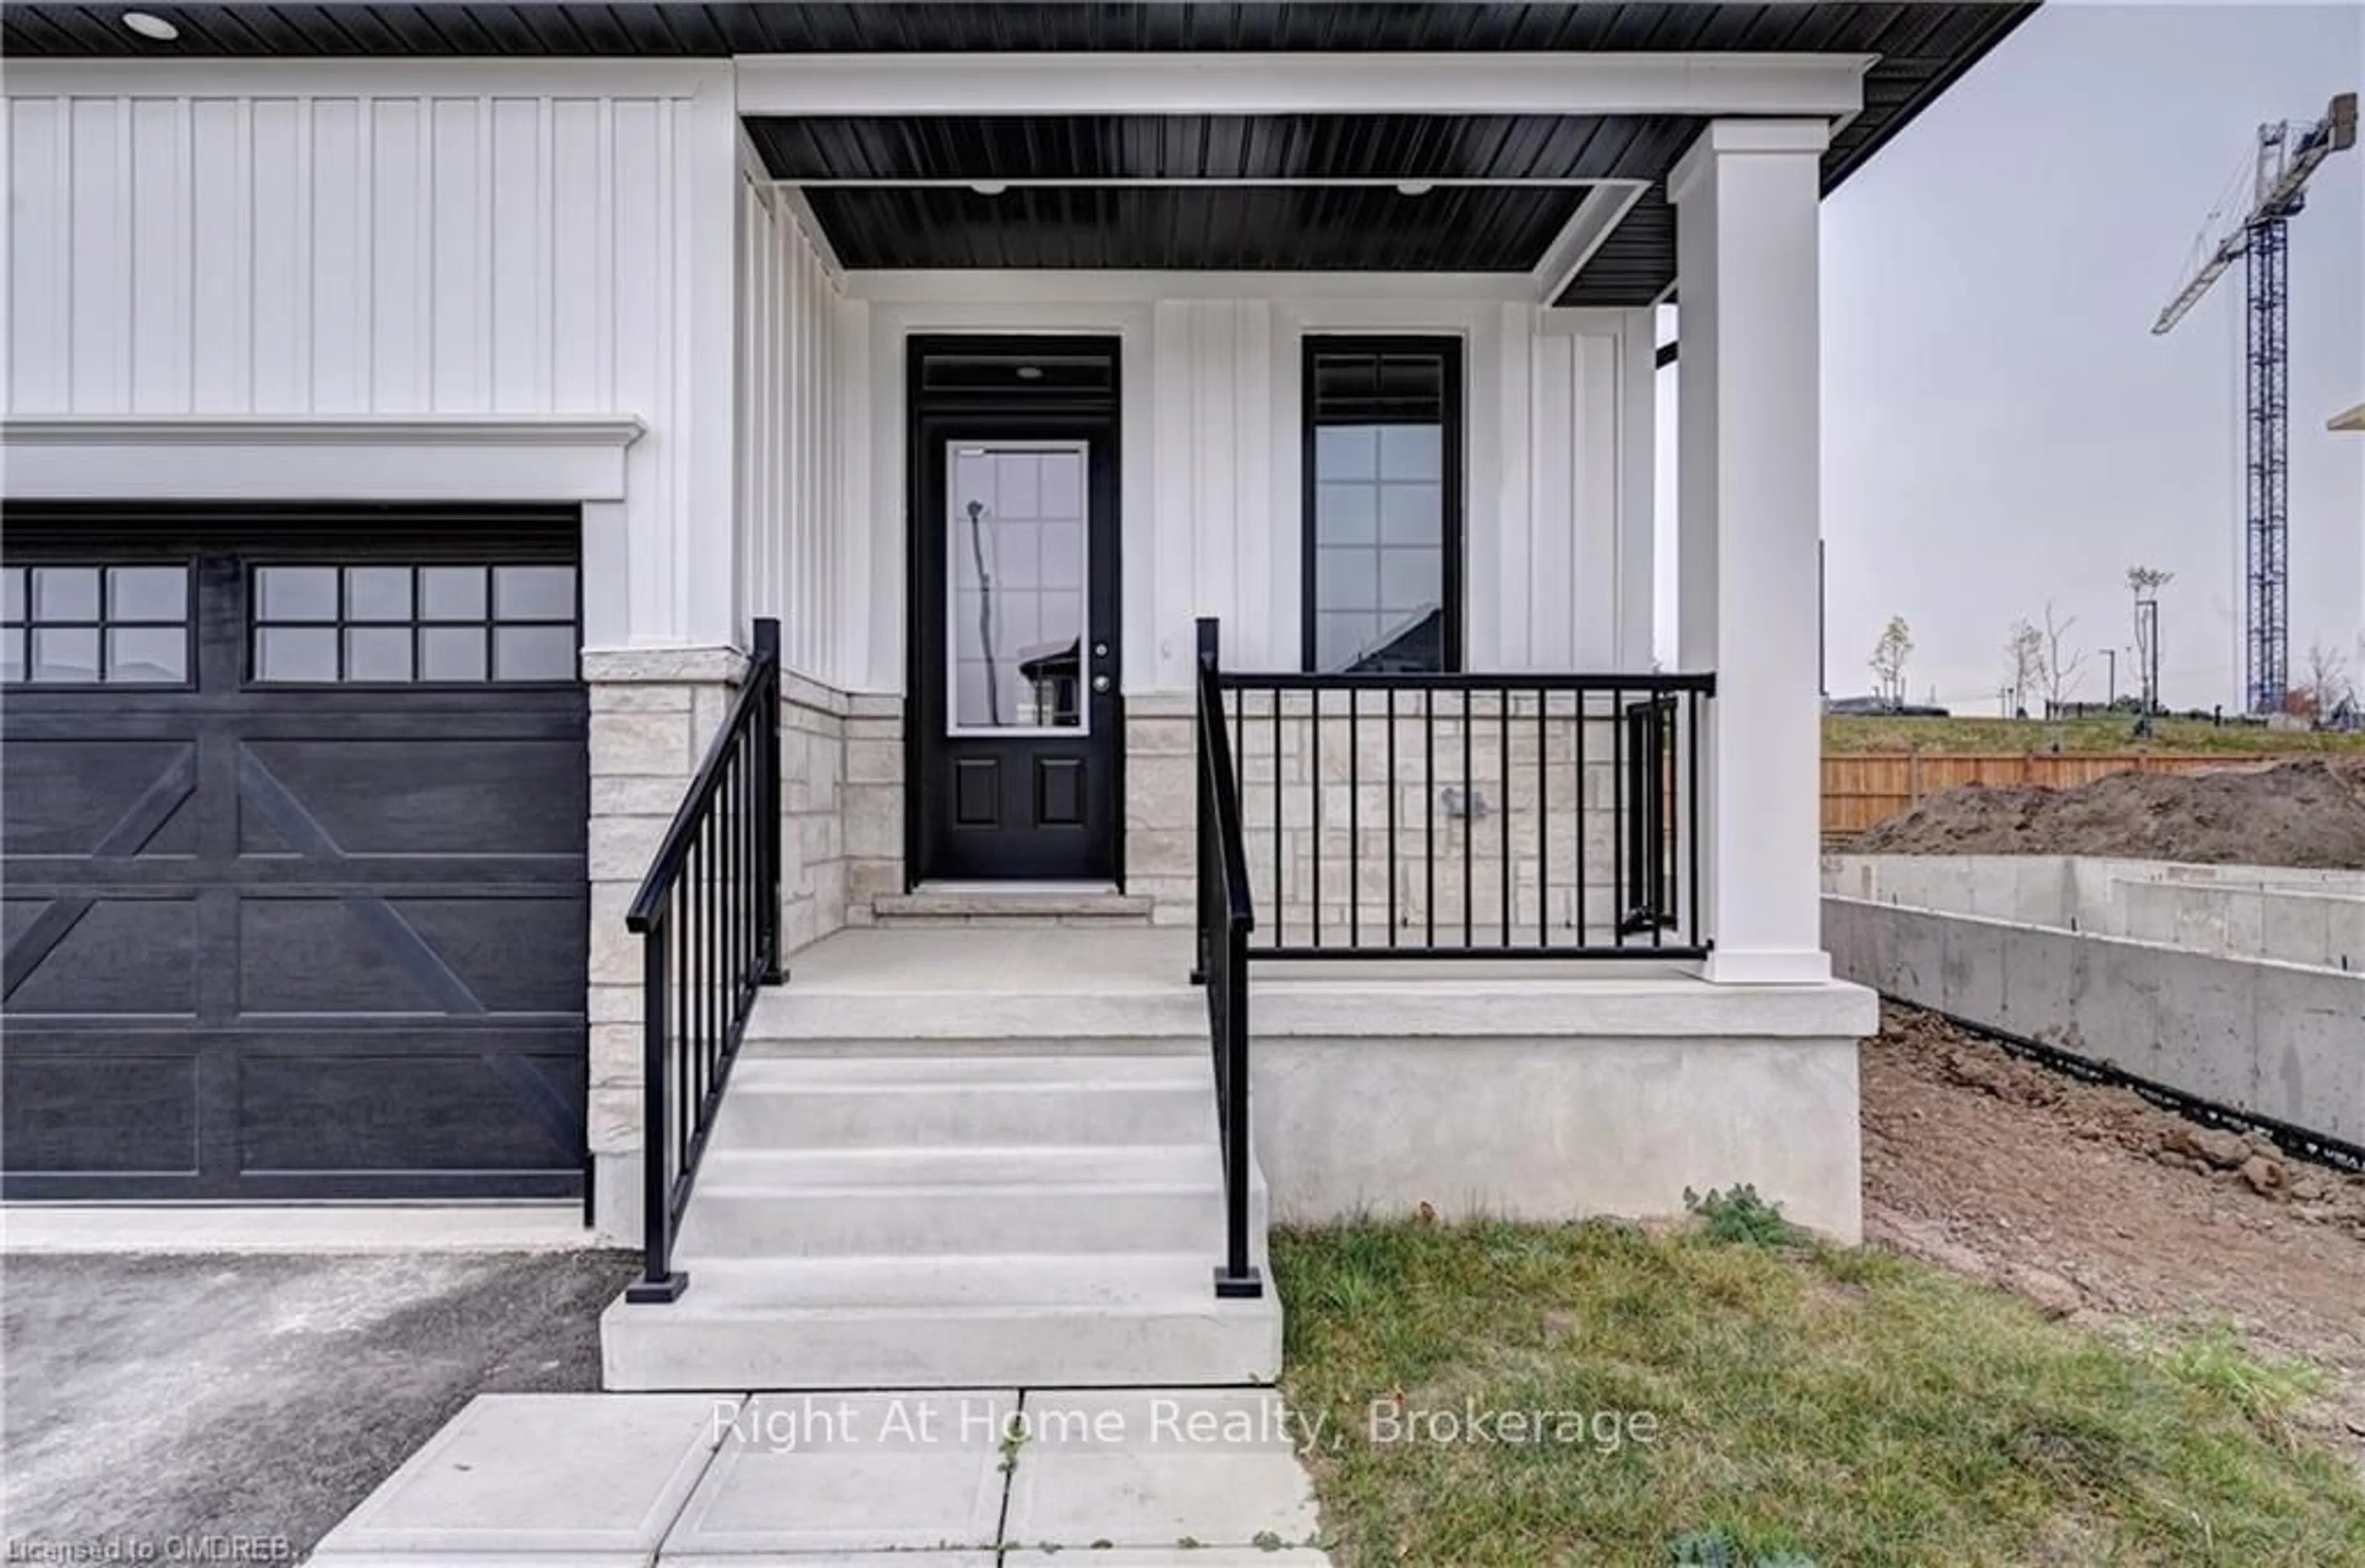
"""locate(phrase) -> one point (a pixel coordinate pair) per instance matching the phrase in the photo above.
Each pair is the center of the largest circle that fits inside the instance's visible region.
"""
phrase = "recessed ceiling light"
(1414, 188)
(148, 25)
(1031, 373)
(991, 187)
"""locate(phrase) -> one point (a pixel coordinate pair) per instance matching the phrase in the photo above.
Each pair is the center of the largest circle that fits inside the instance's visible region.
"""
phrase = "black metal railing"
(1225, 919)
(1593, 781)
(708, 916)
(1401, 815)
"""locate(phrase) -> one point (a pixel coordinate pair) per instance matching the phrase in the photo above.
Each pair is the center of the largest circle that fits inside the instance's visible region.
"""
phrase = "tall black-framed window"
(1384, 444)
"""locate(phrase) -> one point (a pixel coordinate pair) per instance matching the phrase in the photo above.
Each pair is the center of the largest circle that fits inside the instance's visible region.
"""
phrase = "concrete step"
(1015, 906)
(818, 1102)
(935, 1201)
(953, 1321)
(881, 1115)
(986, 1067)
(917, 1211)
(789, 1021)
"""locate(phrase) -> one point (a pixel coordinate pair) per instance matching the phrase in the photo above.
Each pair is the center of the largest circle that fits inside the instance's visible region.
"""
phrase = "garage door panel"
(515, 953)
(79, 953)
(419, 1109)
(276, 941)
(352, 797)
(340, 955)
(105, 797)
(454, 957)
(75, 1110)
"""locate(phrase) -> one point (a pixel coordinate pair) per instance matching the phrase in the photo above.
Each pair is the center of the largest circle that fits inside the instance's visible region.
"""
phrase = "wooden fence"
(1864, 788)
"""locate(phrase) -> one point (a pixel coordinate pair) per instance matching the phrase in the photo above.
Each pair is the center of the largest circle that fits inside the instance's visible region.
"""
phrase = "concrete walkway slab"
(864, 1471)
(1192, 1478)
(1171, 1469)
(590, 1479)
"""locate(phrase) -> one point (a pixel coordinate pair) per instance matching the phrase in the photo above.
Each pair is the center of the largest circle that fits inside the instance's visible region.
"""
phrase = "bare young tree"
(1889, 657)
(2324, 684)
(2062, 662)
(2023, 663)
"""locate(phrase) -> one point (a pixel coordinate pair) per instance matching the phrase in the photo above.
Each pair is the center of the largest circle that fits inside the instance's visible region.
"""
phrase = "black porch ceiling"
(1220, 147)
(1257, 227)
(1920, 49)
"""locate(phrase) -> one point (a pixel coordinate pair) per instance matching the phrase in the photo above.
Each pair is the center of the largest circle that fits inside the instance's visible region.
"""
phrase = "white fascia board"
(1595, 218)
(1049, 285)
(1216, 83)
(320, 77)
(166, 457)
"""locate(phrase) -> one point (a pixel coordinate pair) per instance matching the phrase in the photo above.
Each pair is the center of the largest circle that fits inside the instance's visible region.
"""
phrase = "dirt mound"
(2308, 813)
(2088, 1199)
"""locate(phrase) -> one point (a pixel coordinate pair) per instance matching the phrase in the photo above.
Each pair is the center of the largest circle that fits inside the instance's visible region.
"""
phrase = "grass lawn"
(1842, 1407)
(1865, 732)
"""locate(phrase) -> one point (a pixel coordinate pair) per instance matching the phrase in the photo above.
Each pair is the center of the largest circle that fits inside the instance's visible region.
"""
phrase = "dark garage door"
(293, 817)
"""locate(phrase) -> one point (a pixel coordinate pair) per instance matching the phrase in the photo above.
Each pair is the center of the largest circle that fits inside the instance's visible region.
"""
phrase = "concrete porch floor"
(1058, 960)
(1078, 984)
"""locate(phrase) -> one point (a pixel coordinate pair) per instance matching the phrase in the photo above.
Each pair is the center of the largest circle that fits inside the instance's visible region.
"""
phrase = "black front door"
(1016, 728)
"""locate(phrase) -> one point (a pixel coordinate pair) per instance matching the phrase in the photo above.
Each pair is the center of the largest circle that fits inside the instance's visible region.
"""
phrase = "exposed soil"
(2092, 1202)
(2310, 812)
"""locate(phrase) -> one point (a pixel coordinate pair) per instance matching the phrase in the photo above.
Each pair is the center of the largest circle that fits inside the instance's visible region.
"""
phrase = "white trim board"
(318, 77)
(560, 458)
(1561, 82)
(1596, 219)
(989, 287)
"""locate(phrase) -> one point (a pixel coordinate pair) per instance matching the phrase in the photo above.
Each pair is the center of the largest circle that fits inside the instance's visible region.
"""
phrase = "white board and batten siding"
(1558, 408)
(366, 240)
(389, 240)
(803, 440)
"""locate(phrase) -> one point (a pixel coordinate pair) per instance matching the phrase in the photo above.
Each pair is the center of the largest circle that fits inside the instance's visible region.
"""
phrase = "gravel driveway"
(150, 1398)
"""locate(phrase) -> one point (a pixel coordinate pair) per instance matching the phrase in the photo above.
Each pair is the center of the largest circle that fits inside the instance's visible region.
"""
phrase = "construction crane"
(2260, 238)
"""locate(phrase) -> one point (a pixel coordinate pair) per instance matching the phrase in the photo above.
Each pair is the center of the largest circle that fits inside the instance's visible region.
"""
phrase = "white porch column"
(1748, 512)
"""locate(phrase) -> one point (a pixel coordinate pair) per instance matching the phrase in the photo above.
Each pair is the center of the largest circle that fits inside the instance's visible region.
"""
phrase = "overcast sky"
(2000, 426)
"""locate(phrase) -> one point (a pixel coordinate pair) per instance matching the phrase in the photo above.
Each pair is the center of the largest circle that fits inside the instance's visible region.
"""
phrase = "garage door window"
(400, 625)
(79, 625)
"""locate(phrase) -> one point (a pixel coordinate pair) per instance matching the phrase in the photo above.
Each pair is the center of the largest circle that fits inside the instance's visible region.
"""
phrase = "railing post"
(767, 668)
(1238, 1277)
(658, 1280)
(1205, 661)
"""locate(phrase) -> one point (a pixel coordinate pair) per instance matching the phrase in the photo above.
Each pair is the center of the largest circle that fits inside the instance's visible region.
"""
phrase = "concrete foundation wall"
(1613, 1109)
(2314, 917)
(2278, 1039)
(2325, 930)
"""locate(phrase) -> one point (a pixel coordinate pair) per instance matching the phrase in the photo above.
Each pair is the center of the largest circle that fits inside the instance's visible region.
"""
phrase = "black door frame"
(1051, 413)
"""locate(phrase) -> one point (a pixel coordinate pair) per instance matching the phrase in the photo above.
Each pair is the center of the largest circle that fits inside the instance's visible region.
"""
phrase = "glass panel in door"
(1016, 541)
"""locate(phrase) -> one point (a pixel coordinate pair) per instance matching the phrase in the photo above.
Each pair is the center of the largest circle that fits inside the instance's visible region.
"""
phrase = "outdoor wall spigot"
(1455, 806)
